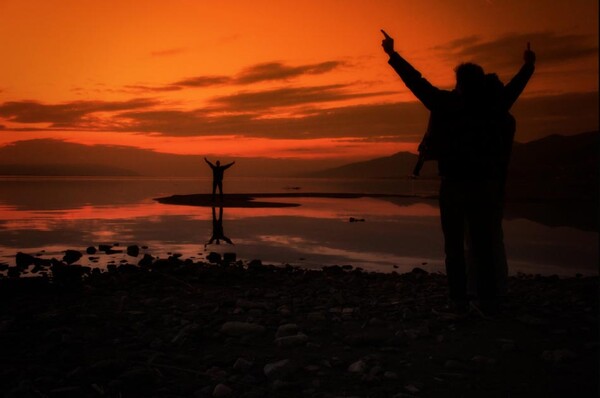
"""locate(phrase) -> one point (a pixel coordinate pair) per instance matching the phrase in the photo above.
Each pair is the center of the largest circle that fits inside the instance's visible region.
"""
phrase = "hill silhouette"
(49, 157)
(561, 159)
(554, 157)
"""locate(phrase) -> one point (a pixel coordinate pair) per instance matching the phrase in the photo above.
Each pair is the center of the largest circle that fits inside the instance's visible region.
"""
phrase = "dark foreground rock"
(174, 328)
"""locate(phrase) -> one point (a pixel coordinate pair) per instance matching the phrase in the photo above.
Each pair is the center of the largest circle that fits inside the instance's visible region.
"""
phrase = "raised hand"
(387, 43)
(528, 55)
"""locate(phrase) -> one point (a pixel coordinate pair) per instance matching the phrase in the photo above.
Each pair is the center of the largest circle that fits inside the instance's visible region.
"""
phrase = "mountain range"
(554, 157)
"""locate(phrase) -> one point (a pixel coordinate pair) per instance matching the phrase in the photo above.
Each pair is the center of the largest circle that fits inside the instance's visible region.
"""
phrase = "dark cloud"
(271, 71)
(506, 51)
(282, 97)
(403, 121)
(66, 113)
(202, 81)
(407, 119)
(279, 71)
(141, 87)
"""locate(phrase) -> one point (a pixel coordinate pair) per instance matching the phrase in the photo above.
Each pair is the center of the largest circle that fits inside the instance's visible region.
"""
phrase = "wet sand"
(179, 328)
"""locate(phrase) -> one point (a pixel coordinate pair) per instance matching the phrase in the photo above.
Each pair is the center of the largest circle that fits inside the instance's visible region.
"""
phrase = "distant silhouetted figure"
(218, 172)
(465, 136)
(217, 233)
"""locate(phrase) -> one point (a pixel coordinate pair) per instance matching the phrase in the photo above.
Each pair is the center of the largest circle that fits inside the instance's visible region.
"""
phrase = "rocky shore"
(179, 328)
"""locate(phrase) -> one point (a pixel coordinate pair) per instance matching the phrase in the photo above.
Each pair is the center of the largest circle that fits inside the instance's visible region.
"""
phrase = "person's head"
(218, 163)
(469, 79)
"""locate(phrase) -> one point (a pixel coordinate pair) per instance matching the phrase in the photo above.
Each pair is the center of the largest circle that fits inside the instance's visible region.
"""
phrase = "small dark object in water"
(133, 250)
(352, 219)
(90, 250)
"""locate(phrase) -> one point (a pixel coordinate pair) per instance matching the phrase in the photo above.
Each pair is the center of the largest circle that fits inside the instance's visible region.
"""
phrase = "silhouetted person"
(463, 136)
(218, 172)
(217, 233)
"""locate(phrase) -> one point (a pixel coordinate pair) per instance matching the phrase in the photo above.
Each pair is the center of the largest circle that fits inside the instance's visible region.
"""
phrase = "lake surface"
(49, 215)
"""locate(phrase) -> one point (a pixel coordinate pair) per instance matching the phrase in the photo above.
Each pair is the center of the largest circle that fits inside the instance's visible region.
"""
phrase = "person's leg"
(221, 190)
(499, 251)
(452, 219)
(214, 190)
(481, 216)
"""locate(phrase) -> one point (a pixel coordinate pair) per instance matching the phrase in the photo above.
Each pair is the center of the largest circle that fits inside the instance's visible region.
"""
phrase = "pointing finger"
(385, 34)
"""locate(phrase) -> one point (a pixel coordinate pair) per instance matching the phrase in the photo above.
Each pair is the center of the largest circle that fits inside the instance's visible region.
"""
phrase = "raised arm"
(420, 87)
(212, 166)
(515, 87)
(228, 165)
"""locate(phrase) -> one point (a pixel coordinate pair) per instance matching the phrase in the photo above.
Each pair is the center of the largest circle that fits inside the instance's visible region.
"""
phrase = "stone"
(91, 250)
(292, 341)
(315, 317)
(411, 388)
(358, 367)
(234, 328)
(146, 261)
(229, 257)
(277, 369)
(214, 257)
(242, 365)
(390, 375)
(221, 390)
(558, 356)
(24, 260)
(288, 329)
(133, 250)
(104, 248)
(247, 304)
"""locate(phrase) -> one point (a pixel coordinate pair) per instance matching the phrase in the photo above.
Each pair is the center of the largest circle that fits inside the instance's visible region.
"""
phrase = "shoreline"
(175, 327)
(249, 200)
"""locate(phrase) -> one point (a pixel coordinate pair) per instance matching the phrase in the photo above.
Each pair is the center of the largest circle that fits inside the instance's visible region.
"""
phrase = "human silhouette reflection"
(217, 233)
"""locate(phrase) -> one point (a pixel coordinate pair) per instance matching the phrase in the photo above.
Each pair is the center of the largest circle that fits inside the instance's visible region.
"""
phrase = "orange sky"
(278, 79)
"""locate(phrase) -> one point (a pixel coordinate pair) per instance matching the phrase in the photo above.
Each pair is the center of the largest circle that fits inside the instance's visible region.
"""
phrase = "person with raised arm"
(464, 137)
(218, 172)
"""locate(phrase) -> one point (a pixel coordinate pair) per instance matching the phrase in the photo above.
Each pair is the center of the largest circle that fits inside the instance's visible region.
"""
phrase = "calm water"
(50, 215)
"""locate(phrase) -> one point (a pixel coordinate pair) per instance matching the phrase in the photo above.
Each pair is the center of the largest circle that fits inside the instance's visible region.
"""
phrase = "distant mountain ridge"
(49, 157)
(555, 156)
(552, 157)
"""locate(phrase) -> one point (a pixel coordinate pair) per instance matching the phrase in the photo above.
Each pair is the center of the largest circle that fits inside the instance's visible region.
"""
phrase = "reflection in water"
(399, 232)
(217, 230)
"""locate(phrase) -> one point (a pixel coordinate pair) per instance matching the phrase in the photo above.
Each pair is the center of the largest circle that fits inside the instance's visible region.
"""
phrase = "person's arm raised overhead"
(515, 87)
(420, 87)
(212, 166)
(228, 165)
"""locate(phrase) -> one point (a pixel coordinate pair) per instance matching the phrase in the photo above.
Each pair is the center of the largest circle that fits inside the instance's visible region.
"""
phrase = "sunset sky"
(304, 79)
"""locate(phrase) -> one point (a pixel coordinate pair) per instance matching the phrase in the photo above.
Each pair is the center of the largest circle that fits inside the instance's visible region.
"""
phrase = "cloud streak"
(244, 116)
(289, 96)
(65, 113)
(264, 72)
(506, 51)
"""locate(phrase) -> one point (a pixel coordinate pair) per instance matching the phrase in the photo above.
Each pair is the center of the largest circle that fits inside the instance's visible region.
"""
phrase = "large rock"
(133, 250)
(72, 256)
(24, 260)
(234, 328)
